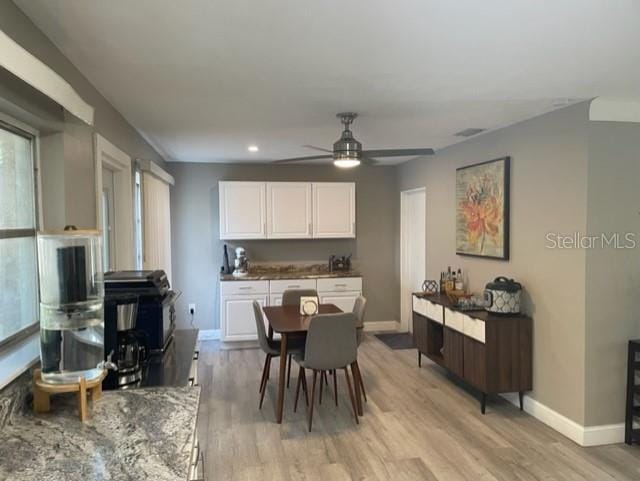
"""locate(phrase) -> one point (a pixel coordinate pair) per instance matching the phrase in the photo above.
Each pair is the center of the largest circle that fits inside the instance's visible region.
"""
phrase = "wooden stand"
(42, 391)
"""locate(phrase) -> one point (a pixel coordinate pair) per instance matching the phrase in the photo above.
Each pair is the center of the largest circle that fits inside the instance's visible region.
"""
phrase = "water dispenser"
(71, 306)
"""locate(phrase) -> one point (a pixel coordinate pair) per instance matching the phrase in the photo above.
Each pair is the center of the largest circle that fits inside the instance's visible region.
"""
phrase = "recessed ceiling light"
(253, 148)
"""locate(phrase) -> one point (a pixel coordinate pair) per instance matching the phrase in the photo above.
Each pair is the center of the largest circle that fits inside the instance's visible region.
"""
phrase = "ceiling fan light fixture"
(346, 163)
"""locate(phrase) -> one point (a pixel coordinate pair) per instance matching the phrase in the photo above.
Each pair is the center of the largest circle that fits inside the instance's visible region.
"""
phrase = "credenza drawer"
(454, 320)
(474, 328)
(420, 306)
(230, 288)
(428, 309)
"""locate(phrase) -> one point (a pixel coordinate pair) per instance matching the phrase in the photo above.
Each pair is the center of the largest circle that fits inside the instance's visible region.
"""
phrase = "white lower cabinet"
(237, 320)
(344, 300)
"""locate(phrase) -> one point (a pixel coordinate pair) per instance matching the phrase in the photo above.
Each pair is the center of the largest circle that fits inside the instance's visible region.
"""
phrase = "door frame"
(112, 158)
(406, 326)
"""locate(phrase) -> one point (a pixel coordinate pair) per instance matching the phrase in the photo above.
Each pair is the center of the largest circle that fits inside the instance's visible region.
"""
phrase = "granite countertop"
(141, 434)
(270, 272)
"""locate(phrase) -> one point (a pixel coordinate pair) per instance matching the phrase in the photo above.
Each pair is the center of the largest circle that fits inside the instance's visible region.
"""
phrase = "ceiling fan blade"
(301, 159)
(318, 148)
(397, 152)
(369, 161)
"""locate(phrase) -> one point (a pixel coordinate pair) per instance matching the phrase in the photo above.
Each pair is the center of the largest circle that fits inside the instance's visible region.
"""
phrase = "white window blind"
(18, 269)
(156, 215)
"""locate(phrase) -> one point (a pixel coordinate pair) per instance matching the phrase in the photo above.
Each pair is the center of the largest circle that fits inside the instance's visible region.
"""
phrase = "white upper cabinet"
(243, 210)
(289, 210)
(334, 209)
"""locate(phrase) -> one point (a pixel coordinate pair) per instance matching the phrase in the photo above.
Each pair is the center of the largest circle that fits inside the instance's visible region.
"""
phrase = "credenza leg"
(419, 359)
(521, 396)
(483, 402)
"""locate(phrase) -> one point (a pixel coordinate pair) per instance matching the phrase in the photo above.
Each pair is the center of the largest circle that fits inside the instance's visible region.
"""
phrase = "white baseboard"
(381, 326)
(209, 335)
(582, 435)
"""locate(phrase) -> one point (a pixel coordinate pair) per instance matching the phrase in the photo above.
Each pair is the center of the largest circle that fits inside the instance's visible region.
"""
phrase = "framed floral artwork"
(482, 209)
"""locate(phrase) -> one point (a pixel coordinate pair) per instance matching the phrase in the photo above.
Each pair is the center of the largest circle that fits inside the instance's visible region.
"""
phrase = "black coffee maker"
(124, 346)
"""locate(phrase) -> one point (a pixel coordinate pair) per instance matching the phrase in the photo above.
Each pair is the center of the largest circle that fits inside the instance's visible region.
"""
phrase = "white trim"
(33, 71)
(381, 326)
(20, 357)
(582, 435)
(614, 110)
(109, 156)
(157, 171)
(209, 335)
(403, 241)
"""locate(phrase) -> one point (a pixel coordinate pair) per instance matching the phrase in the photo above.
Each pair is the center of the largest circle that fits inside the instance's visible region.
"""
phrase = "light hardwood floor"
(417, 425)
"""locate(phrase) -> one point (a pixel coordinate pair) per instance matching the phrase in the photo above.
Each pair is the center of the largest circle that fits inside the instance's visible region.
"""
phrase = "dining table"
(287, 321)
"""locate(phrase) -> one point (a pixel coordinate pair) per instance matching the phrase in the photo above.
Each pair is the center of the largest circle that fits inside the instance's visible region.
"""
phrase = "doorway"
(413, 206)
(108, 220)
(114, 205)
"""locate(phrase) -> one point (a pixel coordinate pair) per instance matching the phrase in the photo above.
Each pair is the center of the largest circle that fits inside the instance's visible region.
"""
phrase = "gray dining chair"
(291, 297)
(271, 348)
(359, 308)
(331, 344)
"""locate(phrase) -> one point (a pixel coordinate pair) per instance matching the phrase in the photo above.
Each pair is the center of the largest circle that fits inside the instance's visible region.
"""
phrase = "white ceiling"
(203, 79)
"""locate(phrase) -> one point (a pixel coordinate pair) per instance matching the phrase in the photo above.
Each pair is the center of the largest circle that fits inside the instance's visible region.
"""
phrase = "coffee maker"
(124, 346)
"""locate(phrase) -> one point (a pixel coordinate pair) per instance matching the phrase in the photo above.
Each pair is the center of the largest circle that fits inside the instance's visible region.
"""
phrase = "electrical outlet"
(192, 309)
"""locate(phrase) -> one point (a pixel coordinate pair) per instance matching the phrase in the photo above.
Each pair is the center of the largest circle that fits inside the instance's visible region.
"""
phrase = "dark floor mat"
(397, 340)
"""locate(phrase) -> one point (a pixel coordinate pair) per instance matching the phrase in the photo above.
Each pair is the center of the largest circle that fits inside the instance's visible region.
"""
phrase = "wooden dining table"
(287, 321)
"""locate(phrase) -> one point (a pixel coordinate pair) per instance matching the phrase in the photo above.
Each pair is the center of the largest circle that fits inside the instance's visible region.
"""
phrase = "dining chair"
(271, 348)
(291, 297)
(331, 345)
(359, 308)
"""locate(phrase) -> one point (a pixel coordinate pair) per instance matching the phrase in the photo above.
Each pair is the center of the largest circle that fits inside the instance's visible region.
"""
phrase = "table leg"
(356, 381)
(282, 377)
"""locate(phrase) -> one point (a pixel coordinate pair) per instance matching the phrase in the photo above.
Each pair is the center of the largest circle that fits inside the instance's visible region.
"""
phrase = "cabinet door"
(453, 351)
(334, 209)
(475, 363)
(343, 300)
(420, 332)
(237, 321)
(289, 210)
(243, 212)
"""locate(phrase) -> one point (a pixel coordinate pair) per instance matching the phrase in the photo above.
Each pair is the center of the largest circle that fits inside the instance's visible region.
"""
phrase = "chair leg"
(335, 386)
(305, 388)
(289, 370)
(264, 388)
(364, 394)
(351, 396)
(295, 404)
(313, 394)
(263, 380)
(326, 380)
(322, 376)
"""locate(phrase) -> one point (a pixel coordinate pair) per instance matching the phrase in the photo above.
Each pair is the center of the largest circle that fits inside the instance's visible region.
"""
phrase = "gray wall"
(548, 194)
(67, 144)
(197, 250)
(613, 275)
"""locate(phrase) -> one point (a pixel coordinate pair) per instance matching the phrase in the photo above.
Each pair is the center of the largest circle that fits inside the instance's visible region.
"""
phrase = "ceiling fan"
(347, 151)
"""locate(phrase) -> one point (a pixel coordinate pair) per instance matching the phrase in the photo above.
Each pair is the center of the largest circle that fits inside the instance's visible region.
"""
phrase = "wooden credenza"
(492, 353)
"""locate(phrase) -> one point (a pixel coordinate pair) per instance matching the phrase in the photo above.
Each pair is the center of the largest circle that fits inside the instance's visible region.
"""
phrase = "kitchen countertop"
(142, 434)
(172, 367)
(270, 272)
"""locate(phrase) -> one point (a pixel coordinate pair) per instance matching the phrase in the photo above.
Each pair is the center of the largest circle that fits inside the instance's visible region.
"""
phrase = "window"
(18, 267)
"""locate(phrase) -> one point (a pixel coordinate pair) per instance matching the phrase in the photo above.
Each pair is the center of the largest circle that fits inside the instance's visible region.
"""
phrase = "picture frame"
(482, 209)
(309, 305)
